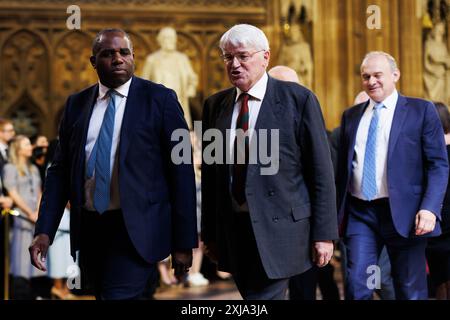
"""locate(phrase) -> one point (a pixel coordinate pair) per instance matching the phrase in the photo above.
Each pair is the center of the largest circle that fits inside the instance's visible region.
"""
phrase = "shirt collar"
(389, 102)
(258, 90)
(122, 90)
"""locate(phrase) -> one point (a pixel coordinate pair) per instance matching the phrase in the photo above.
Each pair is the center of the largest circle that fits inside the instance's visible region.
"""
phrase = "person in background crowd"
(6, 134)
(39, 160)
(195, 278)
(21, 179)
(303, 286)
(60, 263)
(39, 141)
(438, 248)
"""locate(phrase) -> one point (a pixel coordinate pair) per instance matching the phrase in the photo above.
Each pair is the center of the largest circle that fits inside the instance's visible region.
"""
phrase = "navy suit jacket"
(417, 165)
(157, 197)
(288, 210)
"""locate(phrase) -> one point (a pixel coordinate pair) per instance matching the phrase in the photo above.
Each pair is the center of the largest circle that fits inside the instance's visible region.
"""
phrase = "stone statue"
(436, 66)
(172, 69)
(296, 53)
(297, 5)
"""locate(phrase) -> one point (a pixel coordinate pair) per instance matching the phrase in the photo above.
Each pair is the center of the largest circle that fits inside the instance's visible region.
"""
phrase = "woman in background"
(60, 262)
(23, 183)
(438, 248)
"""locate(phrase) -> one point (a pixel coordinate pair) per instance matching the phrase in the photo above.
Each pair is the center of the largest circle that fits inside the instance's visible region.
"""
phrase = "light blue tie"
(102, 157)
(369, 182)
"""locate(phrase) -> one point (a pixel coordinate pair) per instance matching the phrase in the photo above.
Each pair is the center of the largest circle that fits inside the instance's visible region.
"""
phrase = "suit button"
(275, 219)
(271, 193)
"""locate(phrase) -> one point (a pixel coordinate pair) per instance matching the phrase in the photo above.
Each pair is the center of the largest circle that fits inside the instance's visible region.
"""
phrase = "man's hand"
(210, 250)
(38, 251)
(181, 262)
(322, 252)
(425, 222)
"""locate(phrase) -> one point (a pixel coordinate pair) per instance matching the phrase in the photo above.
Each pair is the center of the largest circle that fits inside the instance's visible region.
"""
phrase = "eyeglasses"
(241, 57)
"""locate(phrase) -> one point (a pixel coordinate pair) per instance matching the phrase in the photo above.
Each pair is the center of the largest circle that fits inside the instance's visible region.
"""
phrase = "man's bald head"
(284, 73)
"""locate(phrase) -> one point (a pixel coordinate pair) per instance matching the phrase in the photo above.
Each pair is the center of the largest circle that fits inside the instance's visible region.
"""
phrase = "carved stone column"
(330, 58)
(411, 54)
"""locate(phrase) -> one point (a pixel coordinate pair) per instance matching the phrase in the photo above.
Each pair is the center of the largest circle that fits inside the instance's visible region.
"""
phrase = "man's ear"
(396, 75)
(266, 58)
(92, 59)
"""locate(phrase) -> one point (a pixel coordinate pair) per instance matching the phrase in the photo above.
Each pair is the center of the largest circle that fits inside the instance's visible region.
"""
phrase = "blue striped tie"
(369, 181)
(103, 157)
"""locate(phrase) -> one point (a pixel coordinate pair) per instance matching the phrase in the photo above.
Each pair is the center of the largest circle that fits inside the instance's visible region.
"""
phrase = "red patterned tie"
(240, 169)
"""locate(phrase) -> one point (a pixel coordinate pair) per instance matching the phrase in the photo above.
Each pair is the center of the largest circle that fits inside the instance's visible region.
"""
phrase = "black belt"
(108, 212)
(378, 201)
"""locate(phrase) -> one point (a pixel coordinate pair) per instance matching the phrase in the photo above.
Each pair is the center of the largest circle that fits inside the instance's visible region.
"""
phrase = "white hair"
(389, 58)
(245, 35)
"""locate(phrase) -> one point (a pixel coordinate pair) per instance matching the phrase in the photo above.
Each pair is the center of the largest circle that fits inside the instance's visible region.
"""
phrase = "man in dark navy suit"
(392, 177)
(131, 205)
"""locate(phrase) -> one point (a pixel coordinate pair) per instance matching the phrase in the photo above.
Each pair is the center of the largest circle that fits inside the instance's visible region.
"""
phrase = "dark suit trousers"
(370, 226)
(109, 263)
(250, 276)
(303, 286)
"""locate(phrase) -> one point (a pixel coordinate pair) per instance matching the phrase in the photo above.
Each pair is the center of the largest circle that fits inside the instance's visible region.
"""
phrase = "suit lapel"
(400, 113)
(352, 130)
(223, 121)
(270, 107)
(80, 131)
(82, 126)
(131, 116)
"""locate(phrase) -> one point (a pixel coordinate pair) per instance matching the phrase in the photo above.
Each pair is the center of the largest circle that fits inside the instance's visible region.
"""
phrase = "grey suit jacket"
(290, 209)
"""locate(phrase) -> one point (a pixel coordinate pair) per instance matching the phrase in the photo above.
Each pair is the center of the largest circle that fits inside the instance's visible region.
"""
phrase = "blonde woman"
(23, 183)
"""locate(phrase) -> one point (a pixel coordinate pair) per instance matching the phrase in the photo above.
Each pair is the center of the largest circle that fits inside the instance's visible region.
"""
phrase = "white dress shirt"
(386, 115)
(97, 118)
(95, 124)
(256, 93)
(3, 148)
